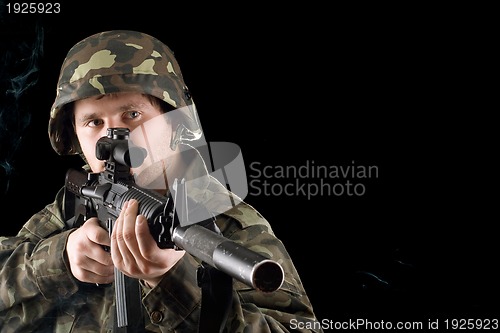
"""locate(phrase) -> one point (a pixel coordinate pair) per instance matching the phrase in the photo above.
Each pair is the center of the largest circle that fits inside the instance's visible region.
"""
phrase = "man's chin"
(153, 177)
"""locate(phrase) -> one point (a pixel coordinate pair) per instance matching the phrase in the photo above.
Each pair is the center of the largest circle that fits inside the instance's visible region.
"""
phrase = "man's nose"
(114, 123)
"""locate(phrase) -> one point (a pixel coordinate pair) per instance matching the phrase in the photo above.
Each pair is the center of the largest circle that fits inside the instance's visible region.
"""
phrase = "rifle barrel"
(247, 266)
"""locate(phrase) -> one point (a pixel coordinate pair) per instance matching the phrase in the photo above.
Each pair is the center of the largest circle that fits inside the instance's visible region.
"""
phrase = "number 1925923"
(33, 7)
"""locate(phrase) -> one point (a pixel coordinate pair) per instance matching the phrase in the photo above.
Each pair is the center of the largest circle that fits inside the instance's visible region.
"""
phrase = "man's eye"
(133, 114)
(95, 122)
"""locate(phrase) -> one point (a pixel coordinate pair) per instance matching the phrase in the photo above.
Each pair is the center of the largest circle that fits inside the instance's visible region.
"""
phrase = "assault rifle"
(174, 222)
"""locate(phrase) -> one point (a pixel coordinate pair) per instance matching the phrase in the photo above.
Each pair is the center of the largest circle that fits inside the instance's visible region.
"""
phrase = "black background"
(391, 87)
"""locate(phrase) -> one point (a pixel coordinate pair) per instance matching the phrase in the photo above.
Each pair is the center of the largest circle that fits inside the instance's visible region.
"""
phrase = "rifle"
(103, 194)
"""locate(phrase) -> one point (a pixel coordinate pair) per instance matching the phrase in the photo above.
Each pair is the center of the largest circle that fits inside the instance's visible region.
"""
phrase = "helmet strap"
(176, 137)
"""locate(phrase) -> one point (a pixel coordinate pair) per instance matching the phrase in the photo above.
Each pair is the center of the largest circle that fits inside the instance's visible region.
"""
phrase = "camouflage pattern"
(39, 294)
(119, 61)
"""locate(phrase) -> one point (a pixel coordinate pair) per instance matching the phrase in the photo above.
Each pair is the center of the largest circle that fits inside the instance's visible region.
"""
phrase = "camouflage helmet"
(119, 61)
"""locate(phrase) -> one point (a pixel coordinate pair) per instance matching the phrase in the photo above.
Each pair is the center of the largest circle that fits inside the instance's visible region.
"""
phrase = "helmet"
(119, 61)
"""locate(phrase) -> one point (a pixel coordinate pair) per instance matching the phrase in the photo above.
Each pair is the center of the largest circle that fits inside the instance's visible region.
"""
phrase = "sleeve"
(174, 305)
(34, 274)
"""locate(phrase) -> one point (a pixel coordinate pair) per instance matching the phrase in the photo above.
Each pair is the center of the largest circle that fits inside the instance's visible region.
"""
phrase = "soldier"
(58, 278)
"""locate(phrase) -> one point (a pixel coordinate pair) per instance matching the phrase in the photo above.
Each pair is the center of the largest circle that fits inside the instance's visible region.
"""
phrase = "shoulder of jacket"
(247, 215)
(48, 220)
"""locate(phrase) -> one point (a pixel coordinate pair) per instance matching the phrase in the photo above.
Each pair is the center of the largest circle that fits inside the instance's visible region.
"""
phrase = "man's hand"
(135, 252)
(88, 260)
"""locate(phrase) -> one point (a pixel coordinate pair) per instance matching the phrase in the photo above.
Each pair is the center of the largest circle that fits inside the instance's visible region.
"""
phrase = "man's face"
(148, 127)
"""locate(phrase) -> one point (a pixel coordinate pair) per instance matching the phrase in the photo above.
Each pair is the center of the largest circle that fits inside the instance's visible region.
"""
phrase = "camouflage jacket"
(39, 294)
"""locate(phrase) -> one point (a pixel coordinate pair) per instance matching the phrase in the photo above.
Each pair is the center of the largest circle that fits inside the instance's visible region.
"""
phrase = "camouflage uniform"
(39, 293)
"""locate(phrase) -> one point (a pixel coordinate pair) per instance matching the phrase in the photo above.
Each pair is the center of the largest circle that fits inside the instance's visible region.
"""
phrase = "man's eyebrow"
(132, 106)
(87, 117)
(122, 108)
